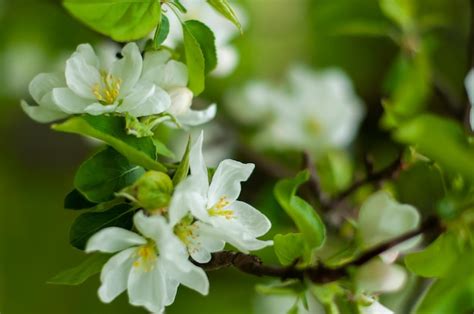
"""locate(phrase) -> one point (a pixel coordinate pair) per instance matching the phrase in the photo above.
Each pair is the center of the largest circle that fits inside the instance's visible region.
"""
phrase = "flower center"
(184, 230)
(108, 89)
(219, 209)
(146, 256)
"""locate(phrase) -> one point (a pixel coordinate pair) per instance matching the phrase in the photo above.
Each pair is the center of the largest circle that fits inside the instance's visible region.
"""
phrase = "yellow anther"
(146, 256)
(220, 209)
(108, 90)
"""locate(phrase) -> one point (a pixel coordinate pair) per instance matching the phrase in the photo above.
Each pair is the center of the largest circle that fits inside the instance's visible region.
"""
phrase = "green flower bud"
(152, 190)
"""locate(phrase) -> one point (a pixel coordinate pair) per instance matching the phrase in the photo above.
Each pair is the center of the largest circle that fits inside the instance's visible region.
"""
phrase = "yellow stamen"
(146, 256)
(219, 209)
(108, 89)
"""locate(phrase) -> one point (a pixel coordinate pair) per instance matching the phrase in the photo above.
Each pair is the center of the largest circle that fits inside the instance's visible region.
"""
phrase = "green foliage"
(123, 20)
(161, 32)
(104, 174)
(453, 293)
(111, 129)
(437, 259)
(224, 8)
(399, 11)
(183, 168)
(289, 247)
(79, 274)
(303, 214)
(87, 224)
(200, 51)
(152, 191)
(76, 201)
(441, 140)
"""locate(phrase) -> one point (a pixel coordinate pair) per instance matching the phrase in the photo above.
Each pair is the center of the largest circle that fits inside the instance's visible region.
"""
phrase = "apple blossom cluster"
(313, 111)
(200, 219)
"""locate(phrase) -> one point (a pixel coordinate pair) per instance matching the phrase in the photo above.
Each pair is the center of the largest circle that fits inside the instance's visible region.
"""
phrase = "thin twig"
(389, 172)
(252, 264)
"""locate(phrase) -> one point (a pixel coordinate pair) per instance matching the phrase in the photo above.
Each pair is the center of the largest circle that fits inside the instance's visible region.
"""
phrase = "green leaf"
(304, 216)
(399, 11)
(162, 149)
(111, 129)
(365, 28)
(104, 174)
(453, 293)
(205, 37)
(123, 20)
(183, 168)
(87, 224)
(194, 60)
(79, 274)
(288, 287)
(76, 201)
(289, 247)
(162, 32)
(437, 259)
(224, 8)
(441, 140)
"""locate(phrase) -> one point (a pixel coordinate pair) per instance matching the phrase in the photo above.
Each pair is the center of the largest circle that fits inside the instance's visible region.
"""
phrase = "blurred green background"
(37, 165)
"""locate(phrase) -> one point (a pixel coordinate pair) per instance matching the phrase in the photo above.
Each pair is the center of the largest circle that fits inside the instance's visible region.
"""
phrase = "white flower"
(381, 219)
(149, 266)
(379, 277)
(470, 92)
(220, 216)
(139, 87)
(313, 111)
(224, 31)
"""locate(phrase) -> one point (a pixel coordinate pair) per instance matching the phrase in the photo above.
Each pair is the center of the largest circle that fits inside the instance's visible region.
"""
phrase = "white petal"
(96, 109)
(181, 100)
(471, 120)
(381, 218)
(194, 278)
(203, 242)
(81, 77)
(114, 275)
(42, 85)
(469, 83)
(154, 63)
(226, 181)
(197, 164)
(171, 286)
(148, 288)
(197, 117)
(186, 199)
(41, 114)
(137, 97)
(376, 276)
(129, 68)
(113, 239)
(70, 102)
(166, 75)
(152, 104)
(88, 53)
(255, 223)
(228, 58)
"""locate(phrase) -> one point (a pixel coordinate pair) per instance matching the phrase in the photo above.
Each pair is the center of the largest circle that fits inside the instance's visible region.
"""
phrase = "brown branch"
(377, 177)
(252, 264)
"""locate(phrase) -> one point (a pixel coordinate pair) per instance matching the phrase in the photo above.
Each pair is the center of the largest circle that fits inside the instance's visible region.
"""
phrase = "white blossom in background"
(313, 111)
(224, 31)
(131, 84)
(282, 304)
(149, 266)
(470, 92)
(219, 216)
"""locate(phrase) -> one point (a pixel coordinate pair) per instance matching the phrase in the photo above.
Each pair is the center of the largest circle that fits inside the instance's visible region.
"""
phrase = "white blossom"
(149, 265)
(133, 85)
(470, 92)
(220, 217)
(313, 111)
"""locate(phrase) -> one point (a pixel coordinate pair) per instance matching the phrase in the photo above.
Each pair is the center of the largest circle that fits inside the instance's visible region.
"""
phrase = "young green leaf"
(437, 259)
(224, 8)
(303, 214)
(289, 247)
(161, 32)
(399, 11)
(140, 151)
(162, 149)
(123, 20)
(87, 224)
(104, 174)
(79, 274)
(442, 140)
(205, 37)
(453, 293)
(194, 60)
(183, 168)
